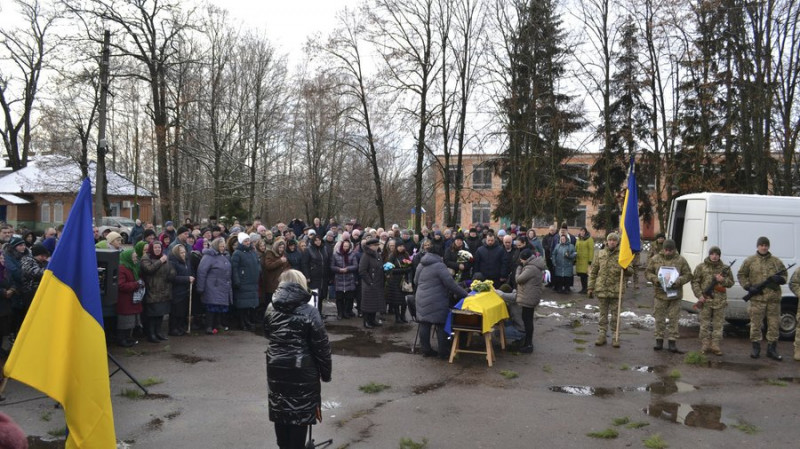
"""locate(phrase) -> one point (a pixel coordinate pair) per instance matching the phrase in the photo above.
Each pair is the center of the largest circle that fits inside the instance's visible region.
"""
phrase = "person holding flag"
(61, 346)
(604, 275)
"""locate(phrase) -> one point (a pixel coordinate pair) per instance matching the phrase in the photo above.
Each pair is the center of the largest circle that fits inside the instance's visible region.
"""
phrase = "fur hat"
(39, 250)
(242, 237)
(762, 241)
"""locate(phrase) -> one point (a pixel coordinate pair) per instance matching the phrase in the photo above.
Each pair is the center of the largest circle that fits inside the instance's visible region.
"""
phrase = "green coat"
(585, 254)
(604, 274)
(674, 260)
(756, 269)
(703, 276)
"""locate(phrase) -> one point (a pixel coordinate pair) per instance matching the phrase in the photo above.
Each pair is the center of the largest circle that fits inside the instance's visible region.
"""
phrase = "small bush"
(625, 367)
(150, 381)
(605, 434)
(408, 443)
(674, 374)
(637, 424)
(372, 388)
(777, 382)
(621, 421)
(508, 374)
(547, 369)
(46, 416)
(695, 358)
(131, 393)
(655, 442)
(746, 427)
(58, 432)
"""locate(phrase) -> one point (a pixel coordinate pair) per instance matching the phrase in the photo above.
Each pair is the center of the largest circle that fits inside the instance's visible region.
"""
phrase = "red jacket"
(127, 285)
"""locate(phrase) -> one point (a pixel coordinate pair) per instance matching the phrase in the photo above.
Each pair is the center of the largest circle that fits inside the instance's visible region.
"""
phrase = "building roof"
(60, 174)
(13, 199)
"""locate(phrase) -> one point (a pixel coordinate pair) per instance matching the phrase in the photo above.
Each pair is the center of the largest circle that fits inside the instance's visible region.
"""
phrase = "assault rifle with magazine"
(709, 291)
(760, 287)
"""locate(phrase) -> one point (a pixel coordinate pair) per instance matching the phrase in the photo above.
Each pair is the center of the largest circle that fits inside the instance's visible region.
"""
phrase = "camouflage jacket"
(704, 275)
(794, 284)
(604, 273)
(674, 260)
(755, 270)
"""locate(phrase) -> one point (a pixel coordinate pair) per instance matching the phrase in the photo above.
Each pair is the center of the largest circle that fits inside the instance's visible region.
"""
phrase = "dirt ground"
(210, 391)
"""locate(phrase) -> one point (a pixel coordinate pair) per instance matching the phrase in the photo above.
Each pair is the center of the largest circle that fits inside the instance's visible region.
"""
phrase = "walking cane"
(189, 320)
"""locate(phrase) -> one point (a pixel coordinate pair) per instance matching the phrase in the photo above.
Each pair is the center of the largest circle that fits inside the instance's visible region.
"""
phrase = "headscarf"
(139, 248)
(198, 245)
(126, 260)
(176, 251)
(150, 253)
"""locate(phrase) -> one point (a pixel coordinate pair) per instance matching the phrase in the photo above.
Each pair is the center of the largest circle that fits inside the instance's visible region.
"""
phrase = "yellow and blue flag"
(630, 241)
(61, 347)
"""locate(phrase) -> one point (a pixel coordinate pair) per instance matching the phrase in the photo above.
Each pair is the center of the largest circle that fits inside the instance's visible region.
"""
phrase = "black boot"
(242, 320)
(397, 319)
(756, 350)
(123, 340)
(159, 321)
(348, 309)
(659, 344)
(369, 320)
(210, 323)
(341, 312)
(772, 351)
(403, 314)
(673, 347)
(151, 331)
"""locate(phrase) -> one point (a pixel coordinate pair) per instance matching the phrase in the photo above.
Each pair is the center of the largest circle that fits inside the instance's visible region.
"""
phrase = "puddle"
(192, 359)
(330, 405)
(360, 343)
(422, 389)
(155, 424)
(705, 416)
(668, 386)
(791, 380)
(644, 369)
(601, 392)
(734, 366)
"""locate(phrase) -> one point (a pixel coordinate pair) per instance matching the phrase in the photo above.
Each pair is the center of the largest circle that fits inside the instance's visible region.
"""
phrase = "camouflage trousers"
(797, 332)
(607, 305)
(711, 322)
(757, 310)
(667, 309)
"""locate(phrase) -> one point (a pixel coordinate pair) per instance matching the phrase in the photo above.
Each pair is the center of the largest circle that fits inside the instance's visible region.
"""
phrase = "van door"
(688, 229)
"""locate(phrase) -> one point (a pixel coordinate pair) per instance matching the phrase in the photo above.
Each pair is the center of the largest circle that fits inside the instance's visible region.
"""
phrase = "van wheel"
(788, 321)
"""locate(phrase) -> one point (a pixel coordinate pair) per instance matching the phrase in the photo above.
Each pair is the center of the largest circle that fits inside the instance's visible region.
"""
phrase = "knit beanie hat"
(714, 250)
(242, 237)
(669, 244)
(762, 241)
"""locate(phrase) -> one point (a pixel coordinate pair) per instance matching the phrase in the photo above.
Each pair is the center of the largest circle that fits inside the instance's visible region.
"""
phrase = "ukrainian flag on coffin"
(61, 348)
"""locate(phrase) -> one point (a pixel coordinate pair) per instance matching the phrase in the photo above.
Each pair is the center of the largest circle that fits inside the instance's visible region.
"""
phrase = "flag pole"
(619, 305)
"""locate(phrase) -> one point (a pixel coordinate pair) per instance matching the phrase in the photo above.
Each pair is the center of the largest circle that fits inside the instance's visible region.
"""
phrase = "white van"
(734, 222)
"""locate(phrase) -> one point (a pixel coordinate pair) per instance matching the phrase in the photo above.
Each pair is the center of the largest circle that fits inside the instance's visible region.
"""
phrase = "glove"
(753, 291)
(778, 279)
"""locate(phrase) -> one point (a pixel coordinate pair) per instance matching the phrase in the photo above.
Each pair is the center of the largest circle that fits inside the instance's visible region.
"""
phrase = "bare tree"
(26, 50)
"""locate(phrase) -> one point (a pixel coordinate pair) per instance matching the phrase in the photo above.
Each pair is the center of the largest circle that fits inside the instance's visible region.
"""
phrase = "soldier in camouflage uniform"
(712, 309)
(756, 269)
(604, 275)
(657, 244)
(668, 307)
(794, 284)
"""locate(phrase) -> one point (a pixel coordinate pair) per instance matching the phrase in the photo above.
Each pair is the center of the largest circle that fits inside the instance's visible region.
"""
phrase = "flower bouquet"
(388, 266)
(481, 286)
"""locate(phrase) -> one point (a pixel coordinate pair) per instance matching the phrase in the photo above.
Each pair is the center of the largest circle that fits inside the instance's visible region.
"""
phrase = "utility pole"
(102, 144)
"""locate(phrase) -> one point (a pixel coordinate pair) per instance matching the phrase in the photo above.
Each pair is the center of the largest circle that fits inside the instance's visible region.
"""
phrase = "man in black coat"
(490, 260)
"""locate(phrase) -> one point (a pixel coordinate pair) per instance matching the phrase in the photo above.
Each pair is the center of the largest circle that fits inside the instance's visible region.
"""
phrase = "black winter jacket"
(298, 356)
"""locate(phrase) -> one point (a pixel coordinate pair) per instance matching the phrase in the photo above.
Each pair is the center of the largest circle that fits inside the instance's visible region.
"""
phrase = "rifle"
(709, 291)
(760, 287)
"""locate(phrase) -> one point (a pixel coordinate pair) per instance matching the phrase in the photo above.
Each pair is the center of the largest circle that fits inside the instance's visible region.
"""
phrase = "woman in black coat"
(395, 296)
(315, 267)
(182, 279)
(370, 271)
(298, 357)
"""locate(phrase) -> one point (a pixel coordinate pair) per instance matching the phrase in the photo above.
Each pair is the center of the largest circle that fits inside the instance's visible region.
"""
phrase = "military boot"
(772, 351)
(673, 347)
(705, 347)
(797, 354)
(659, 344)
(601, 340)
(756, 350)
(715, 348)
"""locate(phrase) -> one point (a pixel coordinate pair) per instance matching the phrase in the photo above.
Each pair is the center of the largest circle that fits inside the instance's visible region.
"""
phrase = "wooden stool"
(470, 323)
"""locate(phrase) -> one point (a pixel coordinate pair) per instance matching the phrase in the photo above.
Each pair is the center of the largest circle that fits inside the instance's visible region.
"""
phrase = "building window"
(580, 219)
(58, 212)
(452, 172)
(482, 178)
(45, 213)
(482, 213)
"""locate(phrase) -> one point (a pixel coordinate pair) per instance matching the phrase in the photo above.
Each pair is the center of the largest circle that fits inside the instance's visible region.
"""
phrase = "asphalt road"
(213, 391)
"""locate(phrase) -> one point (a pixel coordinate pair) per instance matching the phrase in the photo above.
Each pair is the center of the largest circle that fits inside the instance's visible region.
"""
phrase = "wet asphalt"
(210, 391)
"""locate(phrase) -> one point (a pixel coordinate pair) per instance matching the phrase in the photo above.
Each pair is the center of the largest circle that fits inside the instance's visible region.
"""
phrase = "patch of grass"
(408, 443)
(655, 442)
(165, 348)
(746, 427)
(607, 434)
(674, 374)
(508, 374)
(642, 306)
(46, 416)
(132, 352)
(575, 323)
(372, 388)
(581, 332)
(131, 393)
(637, 424)
(547, 369)
(580, 349)
(777, 382)
(61, 432)
(579, 341)
(621, 421)
(624, 367)
(695, 358)
(150, 381)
